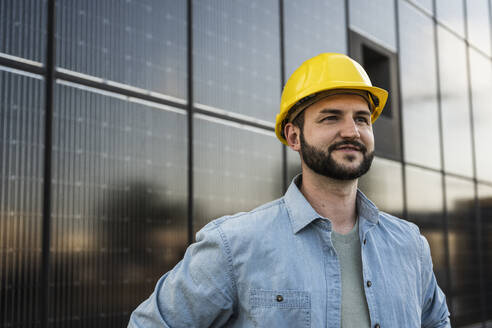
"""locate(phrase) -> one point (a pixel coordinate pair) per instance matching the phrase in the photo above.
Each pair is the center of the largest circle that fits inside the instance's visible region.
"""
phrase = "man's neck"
(333, 199)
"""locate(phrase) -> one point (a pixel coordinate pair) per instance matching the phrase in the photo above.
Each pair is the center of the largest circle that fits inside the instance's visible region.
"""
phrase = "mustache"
(354, 143)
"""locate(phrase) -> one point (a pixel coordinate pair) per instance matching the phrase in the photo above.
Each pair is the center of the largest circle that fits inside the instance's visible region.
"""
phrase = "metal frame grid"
(51, 75)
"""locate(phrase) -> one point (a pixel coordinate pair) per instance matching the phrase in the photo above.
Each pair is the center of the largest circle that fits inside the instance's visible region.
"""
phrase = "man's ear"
(292, 134)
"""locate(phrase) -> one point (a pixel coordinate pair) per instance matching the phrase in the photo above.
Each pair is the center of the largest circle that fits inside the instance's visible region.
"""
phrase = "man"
(321, 256)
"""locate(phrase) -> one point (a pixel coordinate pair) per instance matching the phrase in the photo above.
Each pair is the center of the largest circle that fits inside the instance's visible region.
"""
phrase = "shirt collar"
(301, 213)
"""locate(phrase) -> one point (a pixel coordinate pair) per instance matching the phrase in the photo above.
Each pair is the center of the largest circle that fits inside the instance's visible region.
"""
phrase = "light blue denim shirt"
(276, 267)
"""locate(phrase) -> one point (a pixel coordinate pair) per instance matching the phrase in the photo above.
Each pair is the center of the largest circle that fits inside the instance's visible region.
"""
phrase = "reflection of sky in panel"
(137, 42)
(485, 195)
(481, 81)
(119, 202)
(418, 87)
(235, 169)
(23, 28)
(425, 208)
(450, 13)
(424, 192)
(236, 56)
(463, 255)
(383, 185)
(375, 19)
(460, 200)
(477, 12)
(454, 103)
(312, 27)
(21, 184)
(425, 4)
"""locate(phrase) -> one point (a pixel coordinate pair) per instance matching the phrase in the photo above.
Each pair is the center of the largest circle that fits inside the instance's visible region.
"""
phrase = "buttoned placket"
(332, 276)
(365, 228)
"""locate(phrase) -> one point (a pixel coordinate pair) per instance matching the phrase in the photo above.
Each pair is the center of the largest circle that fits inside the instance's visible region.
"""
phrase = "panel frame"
(51, 74)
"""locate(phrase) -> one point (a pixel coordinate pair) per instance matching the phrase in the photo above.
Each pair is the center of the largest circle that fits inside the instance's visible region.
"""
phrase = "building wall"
(149, 118)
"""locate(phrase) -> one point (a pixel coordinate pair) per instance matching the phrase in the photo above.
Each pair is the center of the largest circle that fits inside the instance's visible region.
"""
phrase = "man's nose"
(349, 130)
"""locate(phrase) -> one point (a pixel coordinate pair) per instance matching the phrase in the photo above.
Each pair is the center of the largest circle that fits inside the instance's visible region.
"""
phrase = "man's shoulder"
(261, 218)
(398, 236)
(398, 226)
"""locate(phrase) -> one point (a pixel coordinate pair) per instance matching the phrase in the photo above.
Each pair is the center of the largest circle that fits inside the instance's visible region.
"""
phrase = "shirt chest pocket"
(280, 308)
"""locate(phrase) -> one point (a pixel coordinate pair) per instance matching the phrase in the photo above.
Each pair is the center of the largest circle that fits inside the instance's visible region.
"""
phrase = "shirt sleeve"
(199, 292)
(435, 312)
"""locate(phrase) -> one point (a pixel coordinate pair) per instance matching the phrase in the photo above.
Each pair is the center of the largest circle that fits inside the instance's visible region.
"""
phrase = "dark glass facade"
(236, 168)
(455, 105)
(235, 56)
(424, 201)
(381, 30)
(464, 267)
(136, 43)
(21, 193)
(418, 78)
(23, 30)
(119, 204)
(162, 119)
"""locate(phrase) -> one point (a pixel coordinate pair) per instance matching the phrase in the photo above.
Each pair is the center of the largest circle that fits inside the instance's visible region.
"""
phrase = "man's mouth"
(348, 148)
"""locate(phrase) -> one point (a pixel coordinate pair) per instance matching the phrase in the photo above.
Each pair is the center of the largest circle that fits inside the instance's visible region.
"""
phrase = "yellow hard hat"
(327, 71)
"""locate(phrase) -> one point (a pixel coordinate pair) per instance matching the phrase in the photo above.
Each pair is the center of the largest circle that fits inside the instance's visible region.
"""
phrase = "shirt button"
(365, 241)
(369, 284)
(280, 298)
(377, 325)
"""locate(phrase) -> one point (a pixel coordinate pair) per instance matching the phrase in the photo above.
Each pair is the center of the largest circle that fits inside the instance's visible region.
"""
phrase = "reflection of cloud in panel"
(481, 83)
(416, 97)
(450, 13)
(383, 185)
(477, 13)
(435, 237)
(236, 168)
(485, 203)
(424, 192)
(454, 248)
(133, 231)
(461, 205)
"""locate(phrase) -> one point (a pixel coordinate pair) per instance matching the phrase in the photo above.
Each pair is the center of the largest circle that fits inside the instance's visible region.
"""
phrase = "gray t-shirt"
(355, 312)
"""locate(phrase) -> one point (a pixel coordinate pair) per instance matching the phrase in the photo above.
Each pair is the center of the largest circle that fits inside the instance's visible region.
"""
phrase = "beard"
(323, 163)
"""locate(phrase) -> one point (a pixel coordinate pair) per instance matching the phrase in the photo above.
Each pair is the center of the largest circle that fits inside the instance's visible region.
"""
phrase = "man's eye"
(362, 119)
(330, 118)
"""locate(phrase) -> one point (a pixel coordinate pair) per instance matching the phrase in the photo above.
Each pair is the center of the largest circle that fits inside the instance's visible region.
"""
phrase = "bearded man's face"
(337, 140)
